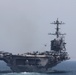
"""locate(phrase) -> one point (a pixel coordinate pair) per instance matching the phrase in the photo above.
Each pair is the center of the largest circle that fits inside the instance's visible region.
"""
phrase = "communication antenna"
(57, 33)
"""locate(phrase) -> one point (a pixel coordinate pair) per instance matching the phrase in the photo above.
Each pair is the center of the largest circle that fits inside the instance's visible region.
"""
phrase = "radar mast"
(57, 33)
(59, 43)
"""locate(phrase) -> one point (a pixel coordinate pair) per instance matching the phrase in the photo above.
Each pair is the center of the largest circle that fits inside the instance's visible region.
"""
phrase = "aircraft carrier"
(39, 61)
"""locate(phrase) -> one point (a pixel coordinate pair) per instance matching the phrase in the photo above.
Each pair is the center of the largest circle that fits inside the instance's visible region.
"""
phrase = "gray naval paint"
(33, 63)
(36, 61)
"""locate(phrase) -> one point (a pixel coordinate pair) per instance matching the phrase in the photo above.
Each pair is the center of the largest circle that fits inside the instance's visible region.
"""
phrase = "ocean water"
(64, 68)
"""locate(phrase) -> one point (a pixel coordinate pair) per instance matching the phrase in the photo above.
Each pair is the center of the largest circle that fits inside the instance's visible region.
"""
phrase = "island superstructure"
(39, 61)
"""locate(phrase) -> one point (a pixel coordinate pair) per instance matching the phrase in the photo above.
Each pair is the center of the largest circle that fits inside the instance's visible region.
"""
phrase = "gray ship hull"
(28, 68)
(38, 61)
(33, 63)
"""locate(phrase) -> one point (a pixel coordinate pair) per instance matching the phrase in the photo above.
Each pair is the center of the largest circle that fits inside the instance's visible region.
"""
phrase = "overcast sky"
(25, 24)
